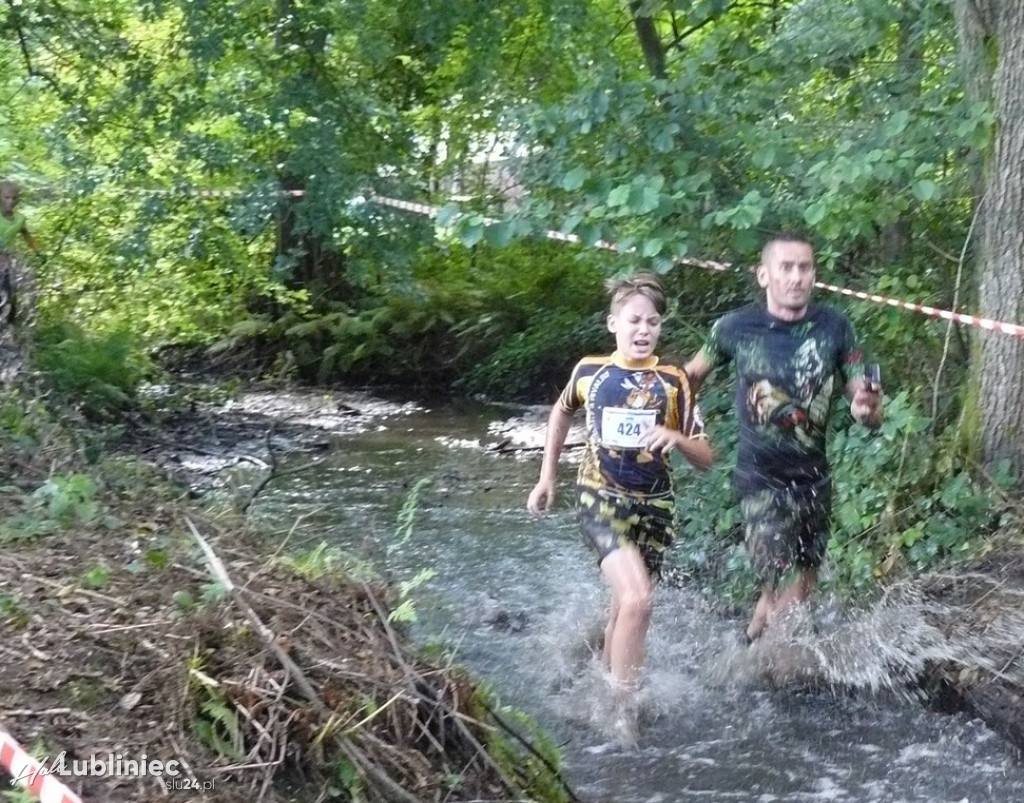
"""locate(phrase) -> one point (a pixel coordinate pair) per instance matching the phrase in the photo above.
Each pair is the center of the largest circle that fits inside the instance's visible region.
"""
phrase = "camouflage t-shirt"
(786, 372)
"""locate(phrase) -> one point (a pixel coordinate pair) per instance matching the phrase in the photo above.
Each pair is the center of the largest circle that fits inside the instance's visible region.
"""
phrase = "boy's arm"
(689, 439)
(543, 493)
(693, 445)
(697, 450)
(30, 241)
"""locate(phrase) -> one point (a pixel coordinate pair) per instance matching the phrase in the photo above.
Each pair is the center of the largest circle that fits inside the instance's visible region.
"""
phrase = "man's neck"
(786, 313)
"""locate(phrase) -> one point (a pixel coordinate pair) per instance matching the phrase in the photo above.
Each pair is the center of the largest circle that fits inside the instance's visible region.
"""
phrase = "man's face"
(787, 276)
(8, 198)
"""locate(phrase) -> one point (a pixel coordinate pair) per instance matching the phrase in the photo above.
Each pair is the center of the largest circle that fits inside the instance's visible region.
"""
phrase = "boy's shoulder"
(591, 362)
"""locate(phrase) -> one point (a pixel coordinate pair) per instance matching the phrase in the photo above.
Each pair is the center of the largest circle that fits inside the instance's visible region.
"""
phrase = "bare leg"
(762, 613)
(609, 633)
(631, 605)
(794, 594)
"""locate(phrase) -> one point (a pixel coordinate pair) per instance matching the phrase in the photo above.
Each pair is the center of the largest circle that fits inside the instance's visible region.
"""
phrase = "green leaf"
(764, 158)
(652, 247)
(574, 179)
(814, 214)
(897, 123)
(925, 189)
(471, 235)
(447, 214)
(499, 234)
(619, 196)
(647, 201)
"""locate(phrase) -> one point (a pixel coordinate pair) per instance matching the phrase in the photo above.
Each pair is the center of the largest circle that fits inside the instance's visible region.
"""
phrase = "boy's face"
(636, 325)
(8, 198)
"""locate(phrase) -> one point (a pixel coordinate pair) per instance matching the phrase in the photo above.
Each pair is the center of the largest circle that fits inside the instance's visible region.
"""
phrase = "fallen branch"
(385, 785)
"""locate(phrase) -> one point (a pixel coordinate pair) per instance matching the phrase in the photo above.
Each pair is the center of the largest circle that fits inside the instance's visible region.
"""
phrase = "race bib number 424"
(623, 429)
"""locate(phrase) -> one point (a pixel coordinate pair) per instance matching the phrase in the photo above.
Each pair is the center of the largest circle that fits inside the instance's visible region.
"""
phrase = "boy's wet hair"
(7, 184)
(644, 284)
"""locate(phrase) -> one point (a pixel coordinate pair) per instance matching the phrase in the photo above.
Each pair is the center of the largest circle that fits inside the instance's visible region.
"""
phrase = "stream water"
(517, 599)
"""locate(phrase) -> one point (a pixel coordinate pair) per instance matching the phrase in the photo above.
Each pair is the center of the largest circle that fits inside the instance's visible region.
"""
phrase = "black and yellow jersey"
(623, 400)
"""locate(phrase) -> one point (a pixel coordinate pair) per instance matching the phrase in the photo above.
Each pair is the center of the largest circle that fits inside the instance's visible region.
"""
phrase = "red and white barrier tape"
(432, 211)
(31, 774)
(1013, 329)
(972, 320)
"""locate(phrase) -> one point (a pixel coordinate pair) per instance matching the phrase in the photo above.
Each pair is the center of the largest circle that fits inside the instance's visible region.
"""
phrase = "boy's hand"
(660, 439)
(541, 497)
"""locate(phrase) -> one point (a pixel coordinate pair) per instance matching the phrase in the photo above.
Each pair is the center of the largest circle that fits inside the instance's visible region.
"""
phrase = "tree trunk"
(650, 42)
(318, 268)
(997, 27)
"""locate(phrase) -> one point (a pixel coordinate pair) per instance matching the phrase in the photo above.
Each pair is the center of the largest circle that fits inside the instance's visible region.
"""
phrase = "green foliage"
(96, 577)
(903, 500)
(214, 720)
(347, 780)
(405, 611)
(67, 499)
(326, 560)
(495, 321)
(533, 770)
(99, 374)
(407, 515)
(12, 614)
(58, 504)
(932, 507)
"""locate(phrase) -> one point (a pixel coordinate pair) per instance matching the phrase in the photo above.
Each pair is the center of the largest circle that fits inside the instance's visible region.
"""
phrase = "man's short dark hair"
(783, 237)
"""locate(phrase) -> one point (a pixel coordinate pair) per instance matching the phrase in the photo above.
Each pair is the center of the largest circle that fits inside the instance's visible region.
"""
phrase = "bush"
(98, 374)
(903, 499)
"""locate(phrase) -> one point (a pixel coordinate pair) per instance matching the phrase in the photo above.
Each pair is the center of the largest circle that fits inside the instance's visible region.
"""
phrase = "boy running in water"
(638, 411)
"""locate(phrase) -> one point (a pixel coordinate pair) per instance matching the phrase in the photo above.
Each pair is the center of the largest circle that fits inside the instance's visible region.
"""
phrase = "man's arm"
(697, 369)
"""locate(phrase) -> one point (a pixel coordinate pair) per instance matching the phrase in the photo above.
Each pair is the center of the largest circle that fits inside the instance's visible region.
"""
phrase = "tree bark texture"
(997, 27)
(650, 42)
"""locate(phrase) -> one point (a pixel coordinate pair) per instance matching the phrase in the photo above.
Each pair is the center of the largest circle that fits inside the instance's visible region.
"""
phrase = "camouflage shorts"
(609, 521)
(786, 528)
(17, 315)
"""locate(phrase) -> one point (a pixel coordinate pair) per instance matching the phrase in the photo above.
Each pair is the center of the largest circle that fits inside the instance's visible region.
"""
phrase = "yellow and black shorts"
(786, 528)
(609, 521)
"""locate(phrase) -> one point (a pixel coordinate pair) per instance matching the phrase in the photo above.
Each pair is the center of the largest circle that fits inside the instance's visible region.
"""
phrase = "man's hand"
(866, 405)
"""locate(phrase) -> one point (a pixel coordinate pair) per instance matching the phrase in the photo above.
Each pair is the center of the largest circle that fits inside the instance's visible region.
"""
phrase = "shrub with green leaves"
(98, 373)
(903, 499)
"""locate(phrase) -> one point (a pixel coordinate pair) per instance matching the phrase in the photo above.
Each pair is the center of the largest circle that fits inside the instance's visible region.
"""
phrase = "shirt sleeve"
(717, 349)
(691, 424)
(569, 399)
